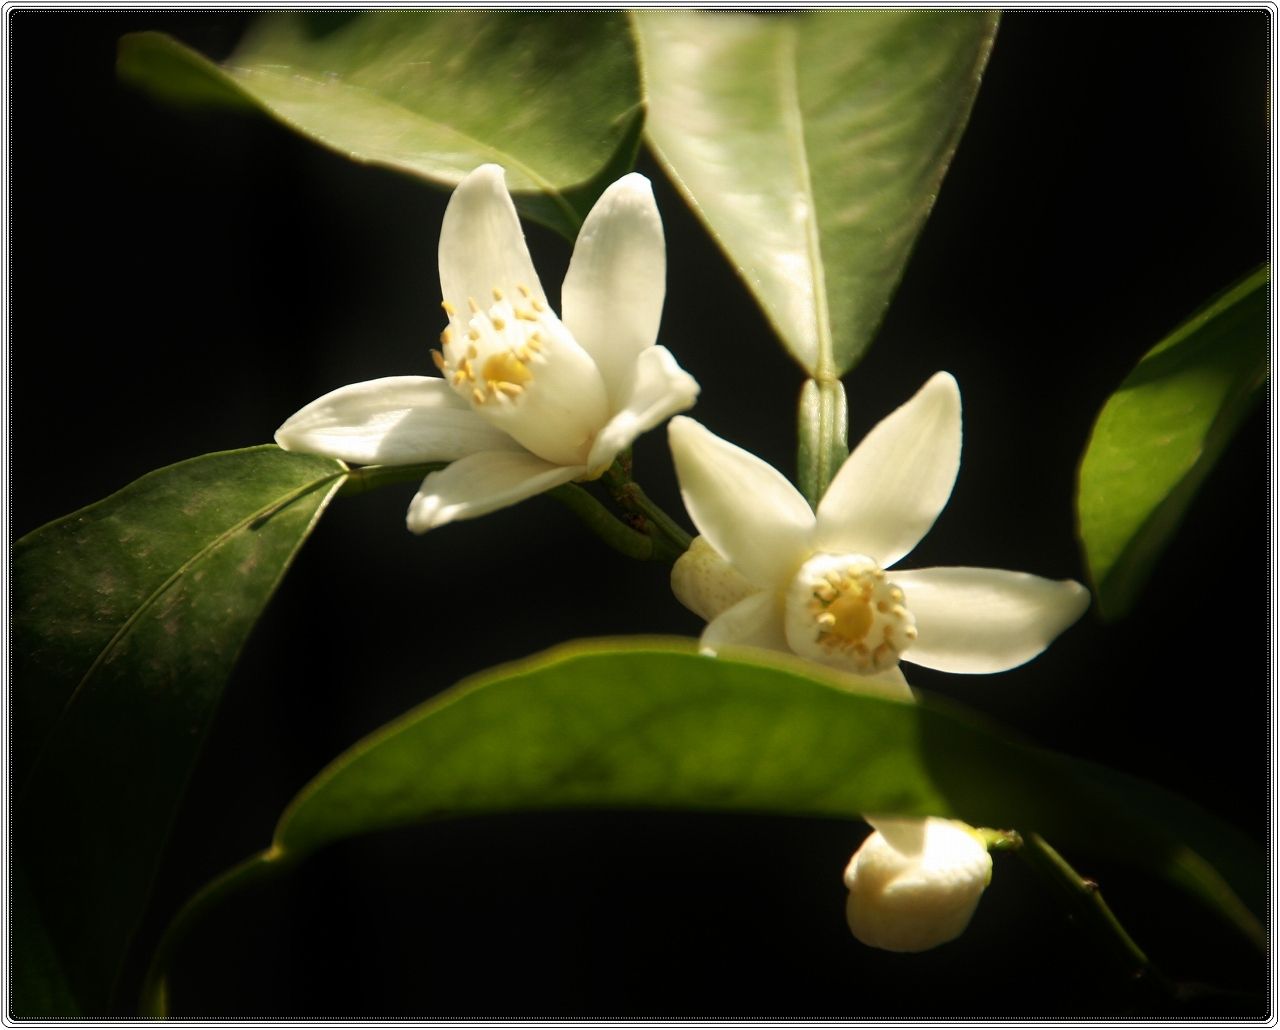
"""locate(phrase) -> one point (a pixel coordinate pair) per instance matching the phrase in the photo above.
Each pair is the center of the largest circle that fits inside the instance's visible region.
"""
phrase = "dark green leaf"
(128, 616)
(40, 988)
(655, 725)
(554, 98)
(1161, 433)
(813, 145)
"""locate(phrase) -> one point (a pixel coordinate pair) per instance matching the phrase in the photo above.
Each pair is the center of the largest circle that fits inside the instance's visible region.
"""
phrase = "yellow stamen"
(449, 309)
(440, 363)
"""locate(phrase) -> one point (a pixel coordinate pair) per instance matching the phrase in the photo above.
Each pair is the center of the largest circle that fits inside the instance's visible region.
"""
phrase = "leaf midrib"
(146, 604)
(793, 118)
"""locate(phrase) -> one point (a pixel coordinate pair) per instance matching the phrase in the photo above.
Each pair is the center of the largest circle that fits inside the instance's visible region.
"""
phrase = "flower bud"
(914, 883)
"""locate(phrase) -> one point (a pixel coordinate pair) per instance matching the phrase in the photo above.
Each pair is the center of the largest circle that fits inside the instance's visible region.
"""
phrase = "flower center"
(841, 610)
(491, 354)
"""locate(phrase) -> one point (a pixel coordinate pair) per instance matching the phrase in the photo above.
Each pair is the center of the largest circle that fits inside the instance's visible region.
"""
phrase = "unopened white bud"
(914, 883)
(705, 583)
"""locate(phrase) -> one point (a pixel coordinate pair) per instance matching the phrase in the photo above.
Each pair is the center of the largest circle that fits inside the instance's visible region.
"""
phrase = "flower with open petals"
(914, 883)
(772, 573)
(526, 401)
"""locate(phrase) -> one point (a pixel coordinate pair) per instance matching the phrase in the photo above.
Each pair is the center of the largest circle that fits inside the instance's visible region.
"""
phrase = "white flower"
(914, 883)
(770, 572)
(527, 400)
(773, 573)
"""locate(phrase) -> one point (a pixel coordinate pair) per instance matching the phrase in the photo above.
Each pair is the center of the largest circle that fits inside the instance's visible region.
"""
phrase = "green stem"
(371, 477)
(823, 430)
(669, 538)
(656, 537)
(154, 998)
(604, 523)
(1094, 916)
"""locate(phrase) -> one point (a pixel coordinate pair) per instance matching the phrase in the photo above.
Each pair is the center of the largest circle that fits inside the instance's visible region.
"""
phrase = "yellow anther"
(471, 351)
(526, 315)
(524, 354)
(510, 389)
(533, 343)
(440, 363)
(478, 396)
(446, 336)
(538, 305)
(473, 334)
(524, 290)
(449, 309)
(499, 323)
(465, 368)
(497, 293)
(471, 303)
(459, 377)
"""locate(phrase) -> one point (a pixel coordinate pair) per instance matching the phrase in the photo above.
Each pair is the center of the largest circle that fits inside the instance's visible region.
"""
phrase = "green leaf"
(813, 145)
(40, 988)
(1160, 434)
(128, 616)
(554, 98)
(654, 725)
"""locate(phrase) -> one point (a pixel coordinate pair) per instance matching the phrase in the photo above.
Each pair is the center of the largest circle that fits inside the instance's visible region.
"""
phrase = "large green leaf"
(812, 145)
(554, 98)
(127, 618)
(1161, 432)
(653, 724)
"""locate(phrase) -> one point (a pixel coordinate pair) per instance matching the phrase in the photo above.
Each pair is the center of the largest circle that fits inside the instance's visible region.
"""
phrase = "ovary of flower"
(770, 572)
(525, 401)
(914, 883)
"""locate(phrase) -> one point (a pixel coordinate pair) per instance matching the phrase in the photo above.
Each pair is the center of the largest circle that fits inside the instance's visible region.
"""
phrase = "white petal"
(400, 420)
(985, 620)
(744, 507)
(481, 483)
(558, 406)
(481, 243)
(890, 490)
(612, 295)
(755, 621)
(705, 583)
(659, 389)
(914, 883)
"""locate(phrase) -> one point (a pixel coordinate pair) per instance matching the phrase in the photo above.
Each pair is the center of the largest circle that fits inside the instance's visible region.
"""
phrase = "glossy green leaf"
(813, 145)
(1160, 434)
(654, 725)
(127, 618)
(554, 98)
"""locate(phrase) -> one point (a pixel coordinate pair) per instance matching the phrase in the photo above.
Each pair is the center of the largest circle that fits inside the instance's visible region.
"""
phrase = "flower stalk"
(1090, 911)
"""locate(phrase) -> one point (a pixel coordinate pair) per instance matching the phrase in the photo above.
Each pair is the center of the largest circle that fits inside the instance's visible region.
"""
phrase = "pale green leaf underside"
(1160, 434)
(813, 145)
(551, 97)
(652, 724)
(128, 616)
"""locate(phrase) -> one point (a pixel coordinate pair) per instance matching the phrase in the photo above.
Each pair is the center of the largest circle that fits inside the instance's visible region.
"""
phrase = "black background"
(183, 282)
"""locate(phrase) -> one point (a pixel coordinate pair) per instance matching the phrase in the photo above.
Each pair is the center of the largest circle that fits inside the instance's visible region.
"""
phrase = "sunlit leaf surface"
(128, 616)
(434, 93)
(654, 725)
(813, 145)
(1161, 433)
